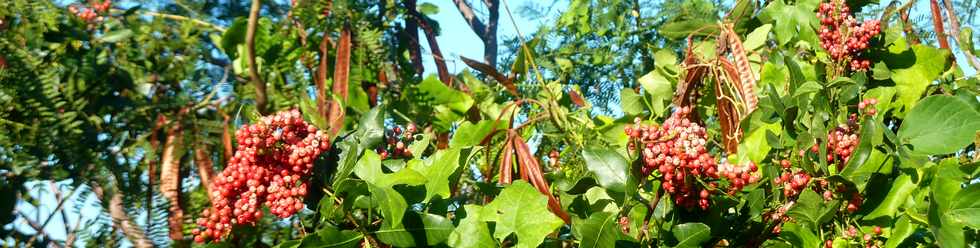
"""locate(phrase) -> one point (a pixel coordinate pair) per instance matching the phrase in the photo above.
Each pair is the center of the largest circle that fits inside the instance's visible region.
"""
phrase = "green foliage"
(94, 104)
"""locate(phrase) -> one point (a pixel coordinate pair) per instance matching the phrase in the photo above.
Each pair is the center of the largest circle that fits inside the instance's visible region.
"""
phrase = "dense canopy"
(609, 123)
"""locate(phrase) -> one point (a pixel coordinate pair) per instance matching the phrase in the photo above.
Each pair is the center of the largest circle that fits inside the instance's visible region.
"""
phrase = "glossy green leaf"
(601, 229)
(939, 125)
(757, 37)
(902, 230)
(900, 190)
(800, 235)
(659, 87)
(965, 207)
(691, 234)
(449, 105)
(609, 167)
(945, 186)
(914, 69)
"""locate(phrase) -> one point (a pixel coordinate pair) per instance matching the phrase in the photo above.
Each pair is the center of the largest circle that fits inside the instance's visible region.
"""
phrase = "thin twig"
(176, 18)
(954, 28)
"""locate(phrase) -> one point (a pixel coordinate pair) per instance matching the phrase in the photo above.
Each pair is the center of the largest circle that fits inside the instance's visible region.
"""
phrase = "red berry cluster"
(677, 150)
(396, 145)
(274, 156)
(624, 224)
(779, 216)
(870, 239)
(738, 175)
(841, 35)
(793, 183)
(868, 106)
(854, 203)
(841, 142)
(92, 13)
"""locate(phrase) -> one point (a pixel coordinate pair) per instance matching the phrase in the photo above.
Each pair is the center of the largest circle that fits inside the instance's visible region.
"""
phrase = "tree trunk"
(490, 41)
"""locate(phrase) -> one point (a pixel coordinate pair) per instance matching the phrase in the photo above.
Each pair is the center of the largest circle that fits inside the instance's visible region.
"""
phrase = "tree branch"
(937, 21)
(253, 70)
(430, 36)
(507, 82)
(954, 28)
(490, 42)
(120, 218)
(467, 12)
(412, 33)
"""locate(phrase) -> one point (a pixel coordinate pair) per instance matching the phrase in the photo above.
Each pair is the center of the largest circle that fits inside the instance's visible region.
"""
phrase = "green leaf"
(117, 35)
(391, 203)
(472, 231)
(755, 145)
(601, 229)
(330, 236)
(966, 206)
(680, 29)
(757, 38)
(792, 22)
(808, 87)
(659, 87)
(900, 190)
(808, 207)
(515, 208)
(885, 96)
(449, 105)
(609, 167)
(437, 228)
(233, 36)
(914, 69)
(630, 102)
(420, 144)
(939, 125)
(903, 229)
(469, 134)
(858, 170)
(799, 235)
(437, 169)
(946, 184)
(691, 234)
(880, 71)
(428, 9)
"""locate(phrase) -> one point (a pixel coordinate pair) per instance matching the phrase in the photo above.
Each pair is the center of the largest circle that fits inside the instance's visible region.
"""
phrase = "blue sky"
(458, 39)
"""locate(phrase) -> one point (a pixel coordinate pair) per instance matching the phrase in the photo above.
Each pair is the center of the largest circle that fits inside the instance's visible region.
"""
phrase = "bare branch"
(430, 36)
(467, 12)
(954, 28)
(937, 21)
